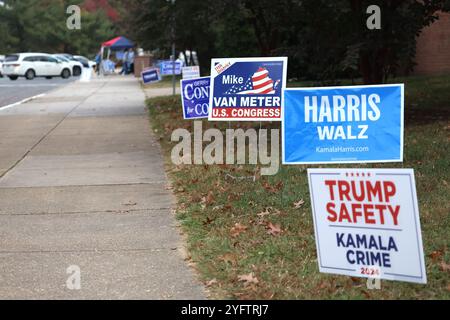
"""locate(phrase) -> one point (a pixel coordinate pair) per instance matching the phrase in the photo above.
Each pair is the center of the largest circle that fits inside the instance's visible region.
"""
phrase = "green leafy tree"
(391, 49)
(39, 25)
(324, 40)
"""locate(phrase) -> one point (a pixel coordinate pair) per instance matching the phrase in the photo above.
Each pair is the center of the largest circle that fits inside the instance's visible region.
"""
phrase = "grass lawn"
(166, 82)
(255, 240)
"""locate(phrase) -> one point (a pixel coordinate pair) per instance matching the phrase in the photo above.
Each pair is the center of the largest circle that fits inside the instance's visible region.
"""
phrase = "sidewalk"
(82, 183)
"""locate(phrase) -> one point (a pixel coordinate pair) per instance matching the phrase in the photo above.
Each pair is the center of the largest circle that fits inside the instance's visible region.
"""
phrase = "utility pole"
(173, 47)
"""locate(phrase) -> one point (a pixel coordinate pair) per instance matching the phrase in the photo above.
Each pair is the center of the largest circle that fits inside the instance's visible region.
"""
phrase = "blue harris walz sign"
(358, 124)
(195, 97)
(151, 75)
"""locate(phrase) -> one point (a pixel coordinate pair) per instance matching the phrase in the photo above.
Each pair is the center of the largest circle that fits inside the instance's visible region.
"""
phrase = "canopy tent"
(116, 44)
(119, 43)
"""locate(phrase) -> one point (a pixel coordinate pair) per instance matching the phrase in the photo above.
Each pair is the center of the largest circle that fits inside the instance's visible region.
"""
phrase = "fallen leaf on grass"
(243, 296)
(211, 283)
(209, 199)
(208, 221)
(233, 197)
(356, 282)
(436, 255)
(168, 128)
(299, 204)
(264, 213)
(274, 229)
(176, 169)
(445, 266)
(196, 198)
(273, 189)
(248, 279)
(237, 230)
(228, 258)
(323, 285)
(269, 211)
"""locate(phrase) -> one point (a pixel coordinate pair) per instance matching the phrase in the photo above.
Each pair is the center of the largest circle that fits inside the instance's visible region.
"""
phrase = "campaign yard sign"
(150, 75)
(357, 124)
(367, 223)
(167, 67)
(195, 98)
(247, 89)
(191, 72)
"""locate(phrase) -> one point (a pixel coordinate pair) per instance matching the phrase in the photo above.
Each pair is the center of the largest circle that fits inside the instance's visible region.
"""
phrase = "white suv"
(31, 65)
(75, 65)
(2, 58)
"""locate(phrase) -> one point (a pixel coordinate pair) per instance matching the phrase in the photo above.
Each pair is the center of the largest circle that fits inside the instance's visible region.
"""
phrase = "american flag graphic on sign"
(259, 83)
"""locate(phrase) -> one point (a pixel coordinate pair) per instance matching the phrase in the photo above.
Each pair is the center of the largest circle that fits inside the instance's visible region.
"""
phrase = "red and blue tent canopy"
(119, 43)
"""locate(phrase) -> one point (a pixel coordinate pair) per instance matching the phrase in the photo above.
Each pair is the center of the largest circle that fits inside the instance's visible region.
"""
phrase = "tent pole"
(101, 61)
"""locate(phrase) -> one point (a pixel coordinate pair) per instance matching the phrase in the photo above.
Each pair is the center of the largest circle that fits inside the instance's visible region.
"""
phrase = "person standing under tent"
(125, 63)
(130, 61)
(98, 61)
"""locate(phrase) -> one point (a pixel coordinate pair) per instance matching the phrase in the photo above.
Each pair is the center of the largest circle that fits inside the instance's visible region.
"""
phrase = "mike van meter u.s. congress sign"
(195, 98)
(343, 124)
(247, 89)
(367, 223)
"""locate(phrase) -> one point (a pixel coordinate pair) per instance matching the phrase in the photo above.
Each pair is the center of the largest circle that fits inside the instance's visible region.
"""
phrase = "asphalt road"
(15, 91)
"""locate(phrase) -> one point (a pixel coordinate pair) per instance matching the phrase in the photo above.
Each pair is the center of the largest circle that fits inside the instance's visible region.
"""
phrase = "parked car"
(2, 58)
(31, 65)
(75, 66)
(64, 62)
(86, 62)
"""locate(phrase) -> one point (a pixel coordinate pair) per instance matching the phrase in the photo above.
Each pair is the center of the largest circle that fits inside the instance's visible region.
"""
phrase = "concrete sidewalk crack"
(124, 211)
(161, 182)
(168, 249)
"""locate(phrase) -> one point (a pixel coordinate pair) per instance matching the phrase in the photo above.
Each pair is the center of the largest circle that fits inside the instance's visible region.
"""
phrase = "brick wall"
(433, 48)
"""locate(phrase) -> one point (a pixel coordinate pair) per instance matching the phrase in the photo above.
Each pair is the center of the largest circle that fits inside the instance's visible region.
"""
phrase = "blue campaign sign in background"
(167, 67)
(150, 75)
(195, 97)
(358, 124)
(247, 89)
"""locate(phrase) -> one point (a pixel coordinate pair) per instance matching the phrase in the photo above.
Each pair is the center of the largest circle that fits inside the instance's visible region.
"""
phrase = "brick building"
(433, 48)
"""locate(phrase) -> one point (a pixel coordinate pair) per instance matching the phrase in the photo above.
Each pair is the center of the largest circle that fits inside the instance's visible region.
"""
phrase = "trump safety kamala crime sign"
(247, 89)
(357, 124)
(367, 223)
(195, 98)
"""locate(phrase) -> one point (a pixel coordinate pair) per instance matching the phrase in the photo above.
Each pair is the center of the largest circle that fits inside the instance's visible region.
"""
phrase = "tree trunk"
(372, 66)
